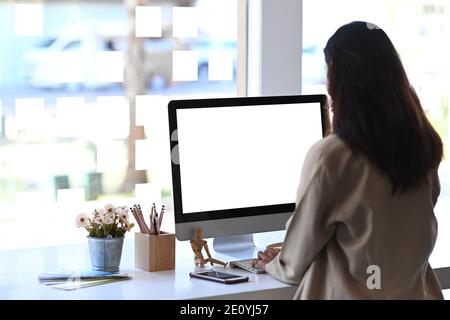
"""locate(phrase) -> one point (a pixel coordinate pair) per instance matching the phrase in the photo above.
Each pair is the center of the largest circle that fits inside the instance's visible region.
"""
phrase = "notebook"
(71, 280)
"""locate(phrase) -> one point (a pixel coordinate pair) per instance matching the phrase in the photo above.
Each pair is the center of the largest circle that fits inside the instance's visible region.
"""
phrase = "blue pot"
(105, 253)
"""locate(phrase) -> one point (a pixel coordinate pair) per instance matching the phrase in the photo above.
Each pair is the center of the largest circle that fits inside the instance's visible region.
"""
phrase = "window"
(82, 105)
(72, 45)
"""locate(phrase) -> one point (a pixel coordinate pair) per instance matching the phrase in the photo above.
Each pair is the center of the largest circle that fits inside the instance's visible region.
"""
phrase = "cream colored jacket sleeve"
(347, 220)
(311, 225)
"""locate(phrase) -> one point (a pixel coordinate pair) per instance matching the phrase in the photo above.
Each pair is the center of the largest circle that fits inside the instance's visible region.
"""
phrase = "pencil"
(161, 216)
(156, 219)
(137, 219)
(140, 218)
(152, 226)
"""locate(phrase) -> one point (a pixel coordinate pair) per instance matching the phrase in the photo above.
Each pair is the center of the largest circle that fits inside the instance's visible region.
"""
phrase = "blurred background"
(83, 91)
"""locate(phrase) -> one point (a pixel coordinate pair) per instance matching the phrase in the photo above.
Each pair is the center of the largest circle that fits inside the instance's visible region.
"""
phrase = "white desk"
(19, 271)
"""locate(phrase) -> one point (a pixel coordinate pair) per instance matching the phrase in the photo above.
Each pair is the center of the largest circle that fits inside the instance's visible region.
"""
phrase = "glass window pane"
(83, 95)
(29, 20)
(148, 21)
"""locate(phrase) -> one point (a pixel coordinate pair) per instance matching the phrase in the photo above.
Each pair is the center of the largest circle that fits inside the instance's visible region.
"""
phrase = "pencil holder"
(154, 252)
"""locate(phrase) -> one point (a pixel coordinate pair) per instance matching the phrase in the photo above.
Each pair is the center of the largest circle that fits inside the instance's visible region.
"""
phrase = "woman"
(364, 225)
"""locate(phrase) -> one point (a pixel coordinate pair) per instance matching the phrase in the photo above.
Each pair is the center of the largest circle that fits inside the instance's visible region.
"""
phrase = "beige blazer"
(350, 238)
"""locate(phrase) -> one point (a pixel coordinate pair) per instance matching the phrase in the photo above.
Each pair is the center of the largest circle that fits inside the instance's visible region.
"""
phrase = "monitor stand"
(236, 247)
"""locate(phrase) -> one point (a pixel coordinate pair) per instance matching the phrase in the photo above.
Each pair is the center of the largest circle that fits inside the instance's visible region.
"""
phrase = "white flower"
(119, 210)
(122, 213)
(111, 217)
(109, 208)
(97, 219)
(82, 220)
(127, 226)
(108, 217)
(123, 216)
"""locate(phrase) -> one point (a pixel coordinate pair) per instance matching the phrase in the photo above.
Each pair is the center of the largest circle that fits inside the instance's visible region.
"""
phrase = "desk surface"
(19, 272)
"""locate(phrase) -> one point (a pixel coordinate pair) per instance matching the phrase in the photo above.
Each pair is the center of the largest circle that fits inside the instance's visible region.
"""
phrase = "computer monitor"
(236, 164)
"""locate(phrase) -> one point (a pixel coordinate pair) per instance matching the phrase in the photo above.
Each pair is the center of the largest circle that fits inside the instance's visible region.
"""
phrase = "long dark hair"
(375, 109)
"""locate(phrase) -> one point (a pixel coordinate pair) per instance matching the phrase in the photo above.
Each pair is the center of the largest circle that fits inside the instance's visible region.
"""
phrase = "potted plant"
(106, 228)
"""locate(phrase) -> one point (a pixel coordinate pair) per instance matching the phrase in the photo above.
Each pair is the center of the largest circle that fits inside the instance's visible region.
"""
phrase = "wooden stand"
(154, 252)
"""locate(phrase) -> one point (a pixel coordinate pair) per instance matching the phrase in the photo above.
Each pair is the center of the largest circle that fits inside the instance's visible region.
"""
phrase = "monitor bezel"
(175, 105)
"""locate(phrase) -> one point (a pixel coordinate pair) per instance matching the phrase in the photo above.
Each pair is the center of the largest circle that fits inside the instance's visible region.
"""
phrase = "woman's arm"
(311, 225)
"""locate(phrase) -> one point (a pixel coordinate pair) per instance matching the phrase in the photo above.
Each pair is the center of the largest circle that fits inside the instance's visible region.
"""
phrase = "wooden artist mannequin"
(197, 246)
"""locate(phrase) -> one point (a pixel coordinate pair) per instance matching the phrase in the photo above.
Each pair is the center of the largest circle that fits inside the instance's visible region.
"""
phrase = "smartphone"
(218, 276)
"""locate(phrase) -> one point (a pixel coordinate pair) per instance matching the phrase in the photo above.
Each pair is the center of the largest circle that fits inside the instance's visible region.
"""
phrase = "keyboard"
(246, 265)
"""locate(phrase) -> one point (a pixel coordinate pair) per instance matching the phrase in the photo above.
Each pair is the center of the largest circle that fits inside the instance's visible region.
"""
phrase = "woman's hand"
(264, 257)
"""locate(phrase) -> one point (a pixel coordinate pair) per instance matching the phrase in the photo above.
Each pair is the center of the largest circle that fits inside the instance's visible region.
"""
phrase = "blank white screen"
(237, 157)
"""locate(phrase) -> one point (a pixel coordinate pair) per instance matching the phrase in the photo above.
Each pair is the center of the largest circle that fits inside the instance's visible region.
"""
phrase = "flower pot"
(105, 253)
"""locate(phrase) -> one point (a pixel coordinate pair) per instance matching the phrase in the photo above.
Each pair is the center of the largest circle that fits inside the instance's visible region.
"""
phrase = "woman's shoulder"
(330, 154)
(329, 147)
